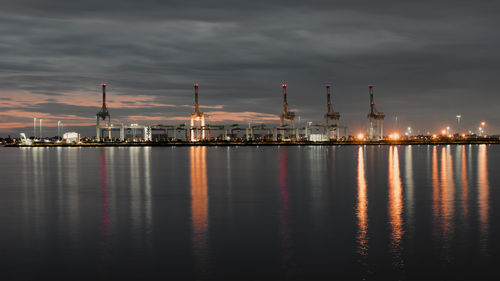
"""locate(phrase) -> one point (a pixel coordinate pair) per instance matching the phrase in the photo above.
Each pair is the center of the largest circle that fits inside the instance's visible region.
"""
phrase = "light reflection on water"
(285, 232)
(447, 197)
(199, 207)
(362, 206)
(105, 202)
(409, 188)
(483, 196)
(465, 184)
(375, 207)
(435, 187)
(395, 206)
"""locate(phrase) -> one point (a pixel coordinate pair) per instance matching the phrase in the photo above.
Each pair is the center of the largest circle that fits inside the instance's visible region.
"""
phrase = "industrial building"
(199, 131)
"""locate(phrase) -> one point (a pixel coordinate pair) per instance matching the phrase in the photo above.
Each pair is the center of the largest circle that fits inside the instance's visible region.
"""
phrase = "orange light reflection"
(199, 204)
(483, 194)
(447, 195)
(435, 183)
(465, 188)
(361, 209)
(395, 205)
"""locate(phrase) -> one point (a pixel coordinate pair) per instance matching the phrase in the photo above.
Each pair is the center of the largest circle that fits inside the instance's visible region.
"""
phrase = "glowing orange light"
(394, 136)
(483, 124)
(443, 132)
(434, 136)
(360, 137)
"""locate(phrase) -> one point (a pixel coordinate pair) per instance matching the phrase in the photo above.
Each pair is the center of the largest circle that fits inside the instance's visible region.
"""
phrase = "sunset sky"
(429, 60)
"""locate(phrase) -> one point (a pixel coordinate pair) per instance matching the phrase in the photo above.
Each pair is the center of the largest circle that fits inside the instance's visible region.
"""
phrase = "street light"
(59, 130)
(396, 120)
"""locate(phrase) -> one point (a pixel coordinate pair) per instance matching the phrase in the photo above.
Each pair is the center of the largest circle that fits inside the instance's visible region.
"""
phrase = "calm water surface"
(250, 213)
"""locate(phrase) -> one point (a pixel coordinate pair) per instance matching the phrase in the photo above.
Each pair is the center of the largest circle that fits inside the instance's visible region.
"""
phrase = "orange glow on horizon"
(24, 99)
(50, 120)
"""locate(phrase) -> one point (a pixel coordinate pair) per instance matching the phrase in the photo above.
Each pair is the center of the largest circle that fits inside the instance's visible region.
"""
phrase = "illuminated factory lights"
(198, 130)
(394, 136)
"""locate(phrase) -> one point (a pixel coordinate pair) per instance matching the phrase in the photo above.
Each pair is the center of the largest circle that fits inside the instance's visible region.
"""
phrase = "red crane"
(286, 114)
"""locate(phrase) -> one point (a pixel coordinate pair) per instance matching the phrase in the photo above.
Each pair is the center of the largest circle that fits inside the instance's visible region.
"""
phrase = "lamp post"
(59, 130)
(396, 122)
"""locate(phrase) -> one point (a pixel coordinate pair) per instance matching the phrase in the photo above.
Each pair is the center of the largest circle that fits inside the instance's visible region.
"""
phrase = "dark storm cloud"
(430, 60)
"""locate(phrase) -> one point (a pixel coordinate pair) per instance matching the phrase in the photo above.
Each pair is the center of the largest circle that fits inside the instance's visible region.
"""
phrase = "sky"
(429, 61)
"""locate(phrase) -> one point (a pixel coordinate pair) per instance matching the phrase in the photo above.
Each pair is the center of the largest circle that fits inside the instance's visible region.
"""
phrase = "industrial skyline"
(199, 129)
(374, 126)
(430, 62)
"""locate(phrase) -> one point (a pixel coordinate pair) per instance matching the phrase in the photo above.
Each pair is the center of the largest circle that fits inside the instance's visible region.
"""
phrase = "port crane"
(104, 113)
(286, 114)
(197, 117)
(330, 114)
(375, 128)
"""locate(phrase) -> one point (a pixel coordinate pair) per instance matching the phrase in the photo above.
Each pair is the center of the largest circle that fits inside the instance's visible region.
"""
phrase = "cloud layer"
(430, 60)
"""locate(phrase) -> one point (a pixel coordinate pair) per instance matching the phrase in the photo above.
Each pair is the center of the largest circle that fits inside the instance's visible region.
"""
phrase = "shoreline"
(258, 143)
